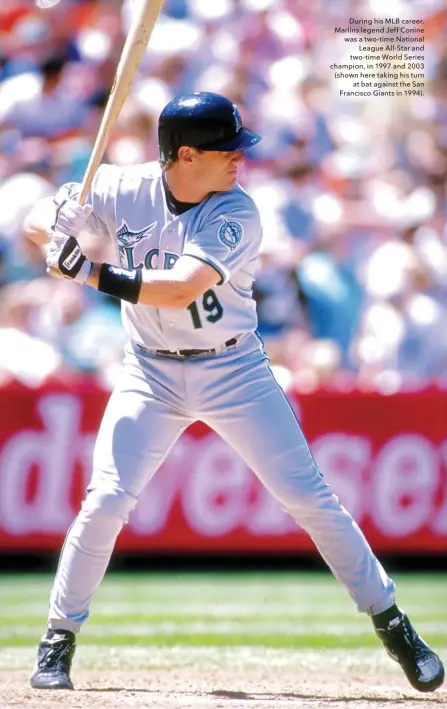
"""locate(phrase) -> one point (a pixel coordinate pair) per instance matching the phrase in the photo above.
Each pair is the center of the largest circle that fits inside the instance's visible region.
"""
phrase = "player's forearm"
(177, 287)
(160, 289)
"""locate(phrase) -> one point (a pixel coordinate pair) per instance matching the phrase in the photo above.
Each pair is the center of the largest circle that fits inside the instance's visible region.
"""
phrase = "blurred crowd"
(352, 279)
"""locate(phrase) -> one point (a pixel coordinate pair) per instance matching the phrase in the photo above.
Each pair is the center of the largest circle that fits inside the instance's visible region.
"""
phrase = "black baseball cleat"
(423, 668)
(54, 656)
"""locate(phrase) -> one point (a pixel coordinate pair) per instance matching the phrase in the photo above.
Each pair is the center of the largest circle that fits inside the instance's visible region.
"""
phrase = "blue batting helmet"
(202, 120)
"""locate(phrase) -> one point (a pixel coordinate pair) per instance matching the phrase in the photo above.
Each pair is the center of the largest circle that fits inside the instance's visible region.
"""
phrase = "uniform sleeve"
(229, 240)
(101, 196)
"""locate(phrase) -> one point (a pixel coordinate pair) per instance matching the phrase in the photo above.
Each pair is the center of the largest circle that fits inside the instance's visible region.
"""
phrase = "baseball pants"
(235, 393)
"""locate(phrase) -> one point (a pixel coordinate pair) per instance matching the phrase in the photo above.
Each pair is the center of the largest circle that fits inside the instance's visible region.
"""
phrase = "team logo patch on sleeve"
(230, 233)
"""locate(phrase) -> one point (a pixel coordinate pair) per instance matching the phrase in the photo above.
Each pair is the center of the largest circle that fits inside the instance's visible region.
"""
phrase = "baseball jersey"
(224, 230)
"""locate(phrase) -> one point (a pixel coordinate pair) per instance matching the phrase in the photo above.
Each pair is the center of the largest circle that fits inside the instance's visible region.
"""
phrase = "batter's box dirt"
(222, 687)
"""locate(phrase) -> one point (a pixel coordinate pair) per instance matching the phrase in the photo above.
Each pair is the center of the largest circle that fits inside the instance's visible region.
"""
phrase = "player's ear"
(186, 154)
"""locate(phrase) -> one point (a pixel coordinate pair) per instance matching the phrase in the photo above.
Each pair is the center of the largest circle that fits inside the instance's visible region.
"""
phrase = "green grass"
(273, 610)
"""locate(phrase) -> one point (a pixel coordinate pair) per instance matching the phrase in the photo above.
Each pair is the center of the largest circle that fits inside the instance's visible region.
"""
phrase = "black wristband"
(120, 283)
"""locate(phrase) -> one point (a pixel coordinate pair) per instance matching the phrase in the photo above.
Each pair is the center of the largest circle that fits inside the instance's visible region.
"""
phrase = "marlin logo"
(237, 118)
(230, 232)
(127, 237)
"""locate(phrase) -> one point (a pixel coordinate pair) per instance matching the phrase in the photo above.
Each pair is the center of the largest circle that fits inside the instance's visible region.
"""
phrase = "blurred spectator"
(352, 278)
(39, 104)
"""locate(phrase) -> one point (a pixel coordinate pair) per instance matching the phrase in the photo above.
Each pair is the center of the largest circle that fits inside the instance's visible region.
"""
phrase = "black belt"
(179, 354)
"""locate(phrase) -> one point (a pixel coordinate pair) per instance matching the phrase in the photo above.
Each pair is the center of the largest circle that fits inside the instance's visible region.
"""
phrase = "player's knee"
(108, 502)
(103, 514)
(297, 490)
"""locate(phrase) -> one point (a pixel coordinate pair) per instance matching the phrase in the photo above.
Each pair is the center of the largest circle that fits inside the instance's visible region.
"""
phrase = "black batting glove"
(67, 259)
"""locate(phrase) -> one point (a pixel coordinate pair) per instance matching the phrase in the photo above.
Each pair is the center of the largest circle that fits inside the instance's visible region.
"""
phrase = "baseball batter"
(186, 237)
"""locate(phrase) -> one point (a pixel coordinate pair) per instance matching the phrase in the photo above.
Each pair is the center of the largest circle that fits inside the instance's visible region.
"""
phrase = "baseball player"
(186, 237)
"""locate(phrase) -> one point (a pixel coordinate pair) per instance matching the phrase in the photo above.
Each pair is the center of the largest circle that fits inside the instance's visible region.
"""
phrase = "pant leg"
(250, 411)
(138, 429)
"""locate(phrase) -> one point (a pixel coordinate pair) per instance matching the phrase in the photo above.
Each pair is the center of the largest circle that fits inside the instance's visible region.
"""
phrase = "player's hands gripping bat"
(71, 217)
(65, 258)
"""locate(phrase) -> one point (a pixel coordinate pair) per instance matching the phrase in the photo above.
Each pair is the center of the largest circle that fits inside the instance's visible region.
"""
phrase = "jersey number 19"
(211, 305)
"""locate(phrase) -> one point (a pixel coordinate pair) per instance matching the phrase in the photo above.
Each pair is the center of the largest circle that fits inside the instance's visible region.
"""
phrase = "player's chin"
(225, 183)
(231, 180)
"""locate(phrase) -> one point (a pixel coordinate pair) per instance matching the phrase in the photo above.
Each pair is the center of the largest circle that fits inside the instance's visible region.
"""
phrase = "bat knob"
(54, 273)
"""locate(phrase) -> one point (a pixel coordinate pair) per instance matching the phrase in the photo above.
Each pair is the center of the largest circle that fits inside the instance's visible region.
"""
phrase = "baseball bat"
(131, 56)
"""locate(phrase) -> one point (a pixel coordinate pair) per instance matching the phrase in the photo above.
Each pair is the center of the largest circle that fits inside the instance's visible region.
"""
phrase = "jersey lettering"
(126, 257)
(150, 261)
(170, 260)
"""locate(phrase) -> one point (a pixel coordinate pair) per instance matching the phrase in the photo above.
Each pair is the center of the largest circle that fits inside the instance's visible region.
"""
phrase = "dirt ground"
(228, 688)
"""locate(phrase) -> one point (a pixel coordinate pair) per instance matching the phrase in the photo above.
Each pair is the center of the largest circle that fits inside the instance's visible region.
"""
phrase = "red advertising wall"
(385, 456)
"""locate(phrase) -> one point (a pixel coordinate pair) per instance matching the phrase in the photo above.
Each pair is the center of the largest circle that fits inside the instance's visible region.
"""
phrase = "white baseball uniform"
(231, 389)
